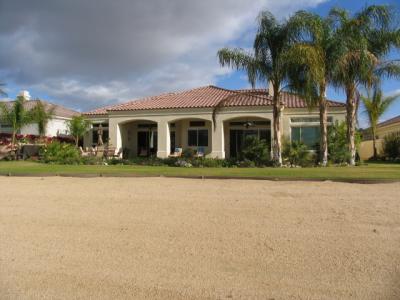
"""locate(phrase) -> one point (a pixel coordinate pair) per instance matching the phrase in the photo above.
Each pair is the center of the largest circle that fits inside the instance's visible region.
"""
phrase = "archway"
(139, 138)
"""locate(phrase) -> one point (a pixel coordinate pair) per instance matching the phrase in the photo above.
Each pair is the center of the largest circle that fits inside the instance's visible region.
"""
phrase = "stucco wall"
(218, 131)
(53, 126)
(366, 147)
(366, 150)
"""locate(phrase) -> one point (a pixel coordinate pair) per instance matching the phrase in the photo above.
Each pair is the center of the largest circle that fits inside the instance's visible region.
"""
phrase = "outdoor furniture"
(118, 154)
(200, 152)
(177, 152)
(5, 151)
(143, 152)
(92, 151)
(84, 153)
(110, 152)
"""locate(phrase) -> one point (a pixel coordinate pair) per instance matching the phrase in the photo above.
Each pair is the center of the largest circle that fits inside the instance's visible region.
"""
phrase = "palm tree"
(16, 115)
(42, 115)
(363, 40)
(77, 127)
(266, 63)
(312, 58)
(375, 107)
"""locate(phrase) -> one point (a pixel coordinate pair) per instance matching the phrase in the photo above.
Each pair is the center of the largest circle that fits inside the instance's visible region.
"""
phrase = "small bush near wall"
(337, 143)
(391, 146)
(256, 151)
(297, 154)
(61, 153)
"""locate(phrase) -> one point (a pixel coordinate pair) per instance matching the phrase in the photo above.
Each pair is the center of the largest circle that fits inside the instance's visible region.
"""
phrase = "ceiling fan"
(248, 124)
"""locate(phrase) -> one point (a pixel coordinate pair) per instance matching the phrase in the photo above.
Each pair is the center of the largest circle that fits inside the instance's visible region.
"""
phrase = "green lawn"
(366, 172)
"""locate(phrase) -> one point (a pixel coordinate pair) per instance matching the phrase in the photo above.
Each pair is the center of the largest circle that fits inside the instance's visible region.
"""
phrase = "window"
(197, 123)
(147, 126)
(198, 138)
(308, 120)
(6, 126)
(308, 135)
(257, 123)
(95, 135)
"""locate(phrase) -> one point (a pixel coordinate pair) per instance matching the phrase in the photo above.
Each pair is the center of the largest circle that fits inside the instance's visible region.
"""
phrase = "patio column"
(114, 133)
(218, 139)
(163, 139)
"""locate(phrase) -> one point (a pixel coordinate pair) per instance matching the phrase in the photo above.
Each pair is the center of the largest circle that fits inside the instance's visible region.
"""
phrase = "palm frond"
(237, 58)
(388, 69)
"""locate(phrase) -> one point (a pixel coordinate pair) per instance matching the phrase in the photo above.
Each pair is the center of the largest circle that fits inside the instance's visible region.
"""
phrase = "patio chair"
(177, 152)
(5, 151)
(110, 152)
(200, 152)
(118, 154)
(92, 151)
(143, 152)
(83, 153)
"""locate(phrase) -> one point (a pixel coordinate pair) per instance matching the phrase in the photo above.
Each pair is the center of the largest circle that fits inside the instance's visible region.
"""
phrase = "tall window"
(309, 135)
(198, 138)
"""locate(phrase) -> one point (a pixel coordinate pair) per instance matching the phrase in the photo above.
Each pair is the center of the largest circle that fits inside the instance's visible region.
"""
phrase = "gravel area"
(165, 238)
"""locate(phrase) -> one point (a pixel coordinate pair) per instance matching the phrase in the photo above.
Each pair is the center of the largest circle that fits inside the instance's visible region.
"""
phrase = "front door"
(147, 143)
(143, 143)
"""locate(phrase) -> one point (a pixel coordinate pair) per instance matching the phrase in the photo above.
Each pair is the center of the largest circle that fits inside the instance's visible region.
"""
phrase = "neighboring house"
(210, 118)
(383, 129)
(57, 126)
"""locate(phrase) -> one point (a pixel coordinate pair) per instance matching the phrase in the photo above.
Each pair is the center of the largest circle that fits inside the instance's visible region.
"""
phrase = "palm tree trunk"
(374, 142)
(323, 121)
(277, 143)
(351, 109)
(76, 141)
(13, 139)
(13, 142)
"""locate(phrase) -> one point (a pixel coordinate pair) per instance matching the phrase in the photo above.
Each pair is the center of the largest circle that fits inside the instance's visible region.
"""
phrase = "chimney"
(25, 94)
(270, 89)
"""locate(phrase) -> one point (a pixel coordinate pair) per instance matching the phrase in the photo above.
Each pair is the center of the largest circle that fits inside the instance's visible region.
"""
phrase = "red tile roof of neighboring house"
(207, 97)
(390, 121)
(58, 110)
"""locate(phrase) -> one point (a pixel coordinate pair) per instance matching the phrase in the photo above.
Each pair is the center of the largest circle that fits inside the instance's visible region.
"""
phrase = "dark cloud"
(86, 53)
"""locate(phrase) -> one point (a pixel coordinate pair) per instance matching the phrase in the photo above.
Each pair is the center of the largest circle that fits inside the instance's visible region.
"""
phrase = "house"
(209, 118)
(383, 129)
(57, 126)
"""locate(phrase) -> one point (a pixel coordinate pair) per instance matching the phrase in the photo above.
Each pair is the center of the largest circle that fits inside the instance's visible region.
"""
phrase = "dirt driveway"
(159, 238)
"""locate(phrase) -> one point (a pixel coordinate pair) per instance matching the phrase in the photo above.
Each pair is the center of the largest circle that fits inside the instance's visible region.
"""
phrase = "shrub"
(188, 153)
(337, 143)
(391, 146)
(296, 153)
(246, 164)
(338, 152)
(203, 162)
(60, 153)
(146, 161)
(256, 151)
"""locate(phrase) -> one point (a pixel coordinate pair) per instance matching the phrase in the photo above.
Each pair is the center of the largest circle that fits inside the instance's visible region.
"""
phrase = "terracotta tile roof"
(207, 97)
(58, 110)
(390, 121)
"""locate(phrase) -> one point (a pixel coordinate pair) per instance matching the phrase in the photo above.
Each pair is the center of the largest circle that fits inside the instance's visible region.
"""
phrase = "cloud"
(93, 52)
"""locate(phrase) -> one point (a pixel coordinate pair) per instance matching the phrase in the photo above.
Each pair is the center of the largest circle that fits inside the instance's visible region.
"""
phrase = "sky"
(85, 54)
